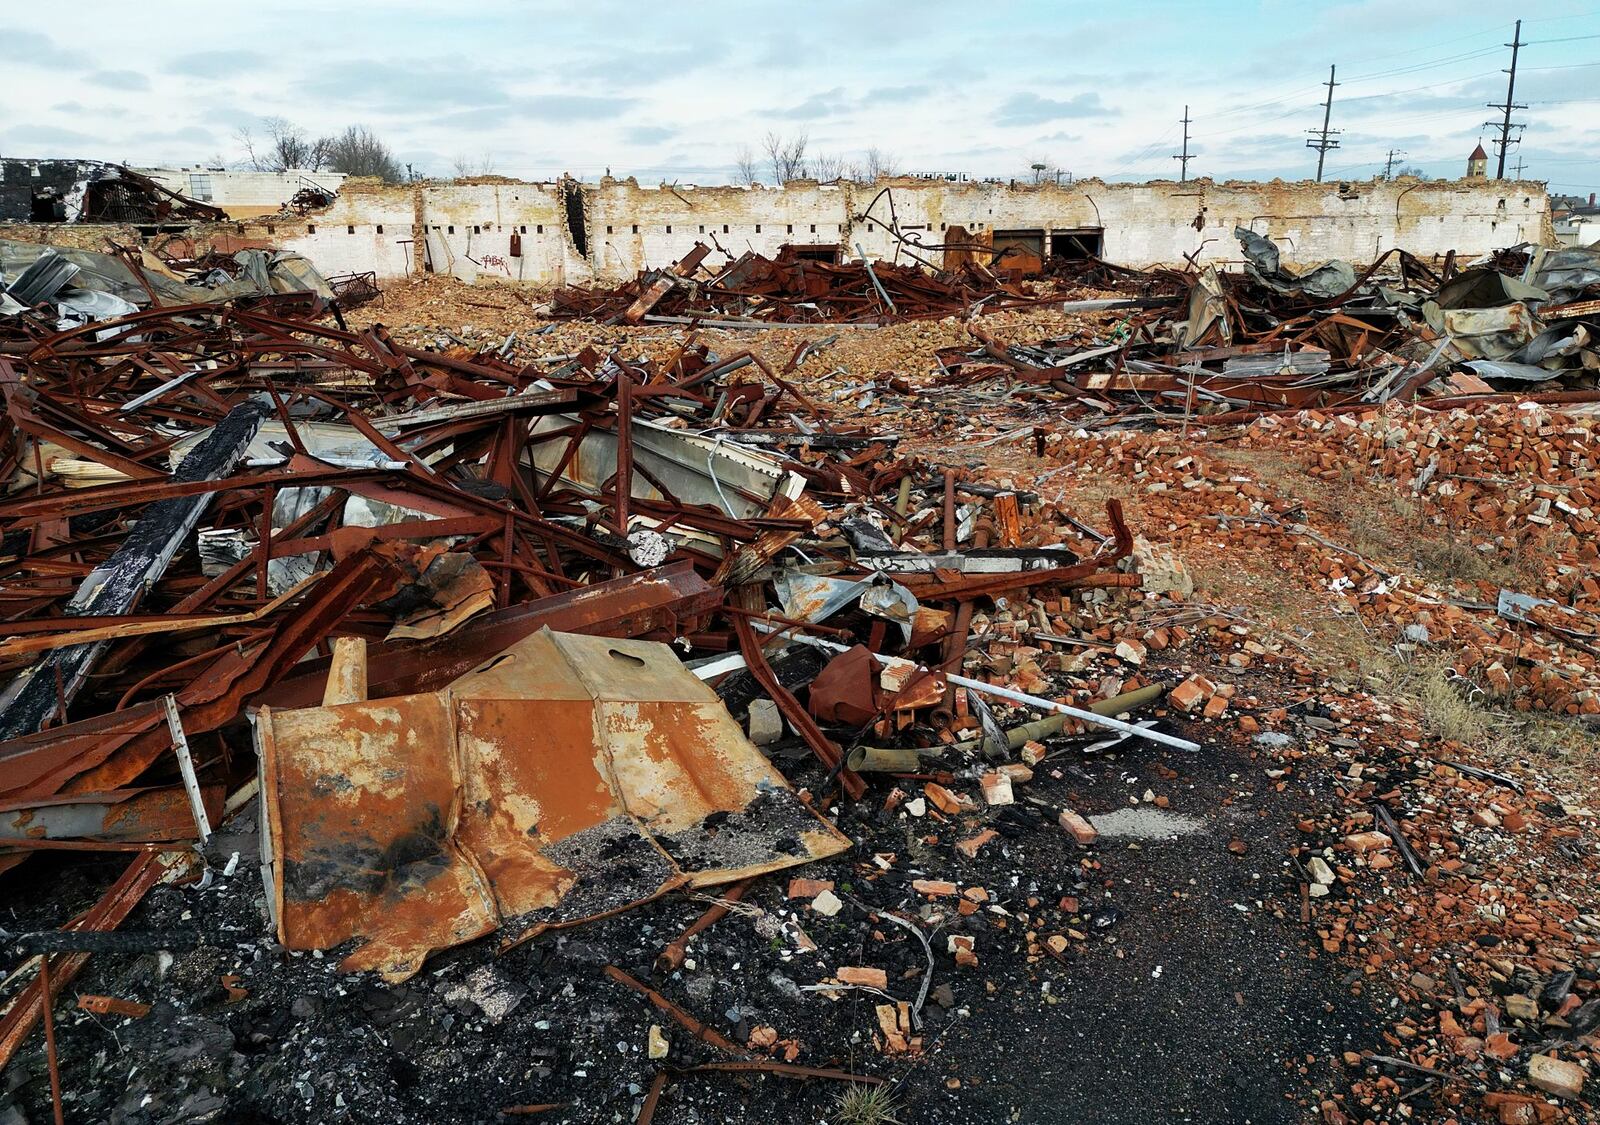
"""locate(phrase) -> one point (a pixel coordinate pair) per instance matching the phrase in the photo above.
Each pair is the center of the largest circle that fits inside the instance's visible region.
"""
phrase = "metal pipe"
(1021, 697)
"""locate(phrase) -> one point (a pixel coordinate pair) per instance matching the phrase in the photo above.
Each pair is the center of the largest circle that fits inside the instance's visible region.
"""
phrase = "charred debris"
(467, 648)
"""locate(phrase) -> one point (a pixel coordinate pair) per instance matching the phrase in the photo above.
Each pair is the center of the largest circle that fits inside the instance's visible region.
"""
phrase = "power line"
(1321, 142)
(1183, 158)
(1510, 104)
(1429, 65)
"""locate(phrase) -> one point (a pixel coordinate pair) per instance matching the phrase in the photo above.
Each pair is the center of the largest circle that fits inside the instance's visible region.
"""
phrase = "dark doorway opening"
(1077, 245)
(819, 252)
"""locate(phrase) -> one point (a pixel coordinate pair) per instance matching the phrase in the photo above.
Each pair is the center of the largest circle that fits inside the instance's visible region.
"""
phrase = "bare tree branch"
(825, 168)
(744, 166)
(787, 156)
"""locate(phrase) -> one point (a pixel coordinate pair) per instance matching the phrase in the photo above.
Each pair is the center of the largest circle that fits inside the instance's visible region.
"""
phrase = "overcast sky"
(669, 91)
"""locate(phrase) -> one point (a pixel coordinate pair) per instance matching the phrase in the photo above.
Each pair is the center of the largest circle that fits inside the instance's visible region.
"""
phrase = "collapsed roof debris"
(89, 191)
(790, 289)
(570, 636)
(1266, 341)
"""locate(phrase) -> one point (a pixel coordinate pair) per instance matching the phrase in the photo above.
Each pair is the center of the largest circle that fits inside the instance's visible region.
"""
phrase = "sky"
(670, 92)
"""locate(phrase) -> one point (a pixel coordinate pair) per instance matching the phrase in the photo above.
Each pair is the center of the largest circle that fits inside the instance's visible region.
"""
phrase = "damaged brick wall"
(566, 233)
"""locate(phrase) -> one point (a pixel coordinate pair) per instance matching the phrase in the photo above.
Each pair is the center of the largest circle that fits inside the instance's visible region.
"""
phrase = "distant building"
(246, 195)
(1575, 221)
(1478, 164)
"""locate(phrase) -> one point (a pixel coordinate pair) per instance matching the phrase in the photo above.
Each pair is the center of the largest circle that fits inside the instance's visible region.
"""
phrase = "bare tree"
(285, 146)
(787, 155)
(744, 166)
(482, 166)
(1410, 170)
(877, 163)
(358, 152)
(825, 168)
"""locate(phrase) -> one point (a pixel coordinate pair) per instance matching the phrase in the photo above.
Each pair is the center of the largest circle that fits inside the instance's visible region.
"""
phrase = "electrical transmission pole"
(1519, 166)
(1505, 124)
(1184, 157)
(1388, 165)
(1320, 140)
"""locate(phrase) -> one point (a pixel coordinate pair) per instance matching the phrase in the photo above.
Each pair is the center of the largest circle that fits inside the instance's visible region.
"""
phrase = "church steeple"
(1478, 163)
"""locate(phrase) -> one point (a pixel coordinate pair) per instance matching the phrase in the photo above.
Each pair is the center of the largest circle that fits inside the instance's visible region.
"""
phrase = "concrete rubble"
(617, 711)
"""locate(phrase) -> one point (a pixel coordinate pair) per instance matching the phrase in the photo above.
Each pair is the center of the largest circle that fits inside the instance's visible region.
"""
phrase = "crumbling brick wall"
(564, 233)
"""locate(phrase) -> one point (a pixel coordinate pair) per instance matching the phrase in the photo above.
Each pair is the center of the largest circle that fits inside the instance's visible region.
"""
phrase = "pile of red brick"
(1513, 483)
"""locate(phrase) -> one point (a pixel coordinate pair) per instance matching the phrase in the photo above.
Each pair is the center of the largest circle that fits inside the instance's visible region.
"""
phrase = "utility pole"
(1184, 158)
(1388, 165)
(1519, 166)
(1320, 140)
(1505, 124)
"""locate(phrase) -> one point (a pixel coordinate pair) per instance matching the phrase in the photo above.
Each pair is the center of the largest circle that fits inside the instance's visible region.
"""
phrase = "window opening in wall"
(635, 228)
(809, 253)
(538, 228)
(378, 228)
(349, 230)
(200, 186)
(813, 228)
(450, 229)
(702, 228)
(1076, 245)
(311, 228)
(669, 228)
(271, 229)
(789, 229)
(758, 228)
(477, 230)
(1020, 250)
(608, 229)
(724, 228)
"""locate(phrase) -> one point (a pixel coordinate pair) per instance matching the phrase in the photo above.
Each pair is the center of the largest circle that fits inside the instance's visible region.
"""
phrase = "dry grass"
(1450, 709)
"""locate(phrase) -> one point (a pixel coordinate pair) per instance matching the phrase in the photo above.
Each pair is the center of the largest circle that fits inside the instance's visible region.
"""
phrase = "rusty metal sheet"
(567, 778)
(127, 815)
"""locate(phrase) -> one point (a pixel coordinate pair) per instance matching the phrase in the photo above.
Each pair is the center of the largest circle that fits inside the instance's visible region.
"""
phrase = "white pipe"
(726, 664)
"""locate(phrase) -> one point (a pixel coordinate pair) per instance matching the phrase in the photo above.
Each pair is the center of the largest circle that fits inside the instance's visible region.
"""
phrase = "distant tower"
(1478, 164)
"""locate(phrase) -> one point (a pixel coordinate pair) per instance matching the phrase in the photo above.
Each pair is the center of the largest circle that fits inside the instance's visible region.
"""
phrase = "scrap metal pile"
(1236, 346)
(413, 602)
(791, 289)
(114, 193)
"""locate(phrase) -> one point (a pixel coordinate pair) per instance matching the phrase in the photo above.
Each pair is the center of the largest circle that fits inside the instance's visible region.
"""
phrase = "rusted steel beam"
(821, 745)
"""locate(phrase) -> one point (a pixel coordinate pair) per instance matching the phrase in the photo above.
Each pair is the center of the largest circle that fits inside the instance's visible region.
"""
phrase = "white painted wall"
(630, 227)
(244, 193)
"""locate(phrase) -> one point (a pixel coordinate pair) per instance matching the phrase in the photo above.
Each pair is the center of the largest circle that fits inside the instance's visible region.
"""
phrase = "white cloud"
(671, 91)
